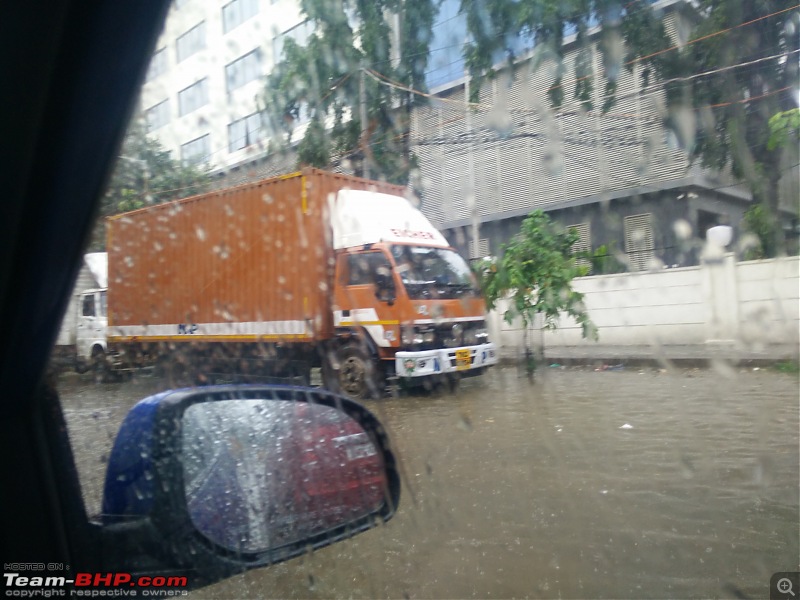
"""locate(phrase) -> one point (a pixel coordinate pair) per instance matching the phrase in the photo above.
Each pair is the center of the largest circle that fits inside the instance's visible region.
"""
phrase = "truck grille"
(445, 335)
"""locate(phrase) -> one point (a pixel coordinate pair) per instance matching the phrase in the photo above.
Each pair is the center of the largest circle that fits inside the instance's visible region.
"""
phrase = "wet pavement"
(632, 483)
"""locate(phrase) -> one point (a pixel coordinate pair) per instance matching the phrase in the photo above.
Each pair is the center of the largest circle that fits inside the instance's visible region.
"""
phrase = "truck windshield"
(433, 272)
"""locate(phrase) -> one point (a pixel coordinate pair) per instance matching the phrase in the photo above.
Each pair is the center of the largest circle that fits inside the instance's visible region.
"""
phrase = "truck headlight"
(476, 336)
(410, 337)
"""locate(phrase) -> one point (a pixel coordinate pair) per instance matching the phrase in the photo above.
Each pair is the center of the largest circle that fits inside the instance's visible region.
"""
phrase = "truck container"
(284, 275)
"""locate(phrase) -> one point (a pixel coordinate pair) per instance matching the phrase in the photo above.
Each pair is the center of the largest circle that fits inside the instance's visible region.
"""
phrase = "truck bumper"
(445, 360)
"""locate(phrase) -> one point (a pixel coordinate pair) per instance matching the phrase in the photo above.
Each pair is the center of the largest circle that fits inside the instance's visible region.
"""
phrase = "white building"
(200, 97)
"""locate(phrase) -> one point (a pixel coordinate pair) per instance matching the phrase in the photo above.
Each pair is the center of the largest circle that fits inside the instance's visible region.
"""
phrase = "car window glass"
(618, 179)
(88, 306)
(362, 267)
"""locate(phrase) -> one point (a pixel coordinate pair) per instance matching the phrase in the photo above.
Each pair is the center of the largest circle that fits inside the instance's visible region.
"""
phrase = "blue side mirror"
(227, 478)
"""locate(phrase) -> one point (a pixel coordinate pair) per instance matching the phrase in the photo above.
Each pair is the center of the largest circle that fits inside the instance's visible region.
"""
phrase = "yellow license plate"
(462, 359)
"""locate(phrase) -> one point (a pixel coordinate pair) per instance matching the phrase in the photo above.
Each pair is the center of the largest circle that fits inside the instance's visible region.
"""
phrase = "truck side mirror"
(228, 478)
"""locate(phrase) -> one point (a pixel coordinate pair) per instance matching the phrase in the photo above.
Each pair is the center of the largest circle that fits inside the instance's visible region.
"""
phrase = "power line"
(595, 131)
(713, 34)
(654, 88)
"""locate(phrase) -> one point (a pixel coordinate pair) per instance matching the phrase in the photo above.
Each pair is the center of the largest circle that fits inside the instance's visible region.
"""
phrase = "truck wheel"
(100, 366)
(359, 378)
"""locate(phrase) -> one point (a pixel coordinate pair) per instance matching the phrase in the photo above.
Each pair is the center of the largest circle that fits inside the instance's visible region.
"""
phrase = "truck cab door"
(366, 294)
(92, 323)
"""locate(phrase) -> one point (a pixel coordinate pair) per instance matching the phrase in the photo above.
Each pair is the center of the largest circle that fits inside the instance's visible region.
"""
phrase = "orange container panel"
(252, 262)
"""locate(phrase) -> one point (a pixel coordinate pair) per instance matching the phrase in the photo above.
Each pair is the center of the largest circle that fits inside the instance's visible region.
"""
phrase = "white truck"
(82, 339)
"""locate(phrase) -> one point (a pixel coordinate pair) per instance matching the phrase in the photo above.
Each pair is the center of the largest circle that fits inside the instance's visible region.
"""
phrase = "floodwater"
(584, 484)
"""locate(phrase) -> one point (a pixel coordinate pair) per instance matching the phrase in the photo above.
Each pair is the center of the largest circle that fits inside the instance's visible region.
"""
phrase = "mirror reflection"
(260, 474)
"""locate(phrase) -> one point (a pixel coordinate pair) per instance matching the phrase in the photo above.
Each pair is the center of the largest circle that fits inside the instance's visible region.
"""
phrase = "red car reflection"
(338, 471)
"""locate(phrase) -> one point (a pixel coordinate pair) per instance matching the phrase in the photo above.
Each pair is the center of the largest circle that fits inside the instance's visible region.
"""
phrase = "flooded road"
(628, 484)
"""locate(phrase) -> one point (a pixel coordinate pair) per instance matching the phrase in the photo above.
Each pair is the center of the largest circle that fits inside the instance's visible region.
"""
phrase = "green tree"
(745, 52)
(145, 173)
(535, 274)
(602, 260)
(326, 79)
(784, 128)
(758, 224)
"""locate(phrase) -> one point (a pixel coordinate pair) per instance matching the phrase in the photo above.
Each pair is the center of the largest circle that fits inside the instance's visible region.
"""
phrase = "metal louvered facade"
(482, 249)
(584, 241)
(515, 153)
(639, 244)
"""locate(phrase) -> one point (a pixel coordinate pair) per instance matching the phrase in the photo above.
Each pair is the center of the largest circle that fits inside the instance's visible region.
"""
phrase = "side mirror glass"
(261, 474)
(227, 478)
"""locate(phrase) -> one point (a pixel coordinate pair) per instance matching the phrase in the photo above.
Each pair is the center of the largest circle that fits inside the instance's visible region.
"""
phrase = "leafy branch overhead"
(727, 67)
(321, 82)
(144, 174)
(535, 274)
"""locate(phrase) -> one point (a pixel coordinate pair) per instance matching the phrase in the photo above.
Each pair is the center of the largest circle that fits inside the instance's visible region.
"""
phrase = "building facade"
(200, 98)
(619, 177)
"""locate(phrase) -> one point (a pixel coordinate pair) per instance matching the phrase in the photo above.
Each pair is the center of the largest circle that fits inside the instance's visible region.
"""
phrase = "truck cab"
(82, 338)
(411, 296)
(92, 327)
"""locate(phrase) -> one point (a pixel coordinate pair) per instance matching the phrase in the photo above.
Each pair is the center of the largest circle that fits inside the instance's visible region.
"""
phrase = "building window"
(245, 132)
(197, 151)
(237, 12)
(157, 116)
(193, 97)
(639, 244)
(299, 33)
(481, 251)
(243, 70)
(192, 41)
(158, 64)
(584, 241)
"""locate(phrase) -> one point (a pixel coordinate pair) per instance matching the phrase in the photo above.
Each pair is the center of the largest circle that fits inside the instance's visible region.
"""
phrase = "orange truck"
(281, 276)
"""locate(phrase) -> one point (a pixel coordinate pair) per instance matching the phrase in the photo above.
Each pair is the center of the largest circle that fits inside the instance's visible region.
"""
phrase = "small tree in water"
(535, 274)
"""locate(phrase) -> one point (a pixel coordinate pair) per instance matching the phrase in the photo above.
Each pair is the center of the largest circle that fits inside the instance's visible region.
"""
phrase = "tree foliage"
(727, 113)
(503, 29)
(602, 260)
(535, 273)
(784, 129)
(322, 82)
(744, 51)
(144, 174)
(761, 242)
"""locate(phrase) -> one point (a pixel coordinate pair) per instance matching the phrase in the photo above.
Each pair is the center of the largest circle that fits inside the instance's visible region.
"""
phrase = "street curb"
(692, 358)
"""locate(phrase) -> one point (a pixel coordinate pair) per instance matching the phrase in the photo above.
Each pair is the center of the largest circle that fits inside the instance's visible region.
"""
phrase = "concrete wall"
(755, 303)
(768, 293)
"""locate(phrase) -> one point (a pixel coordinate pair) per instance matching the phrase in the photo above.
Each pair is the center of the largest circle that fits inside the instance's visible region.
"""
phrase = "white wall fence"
(723, 303)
